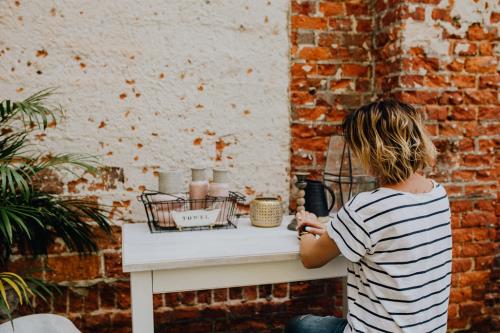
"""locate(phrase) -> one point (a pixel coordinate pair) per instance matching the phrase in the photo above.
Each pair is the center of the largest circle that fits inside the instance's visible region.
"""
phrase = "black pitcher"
(315, 197)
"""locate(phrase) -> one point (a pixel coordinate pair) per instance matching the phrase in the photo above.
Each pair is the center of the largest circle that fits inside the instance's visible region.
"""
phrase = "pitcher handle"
(332, 194)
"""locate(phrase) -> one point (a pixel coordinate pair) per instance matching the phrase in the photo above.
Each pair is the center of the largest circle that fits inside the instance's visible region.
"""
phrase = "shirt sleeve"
(348, 231)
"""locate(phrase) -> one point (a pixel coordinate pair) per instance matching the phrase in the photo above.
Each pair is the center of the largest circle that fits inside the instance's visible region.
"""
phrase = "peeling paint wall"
(455, 17)
(158, 84)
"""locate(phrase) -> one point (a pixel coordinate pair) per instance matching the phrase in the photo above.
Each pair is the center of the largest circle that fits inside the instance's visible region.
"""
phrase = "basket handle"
(239, 196)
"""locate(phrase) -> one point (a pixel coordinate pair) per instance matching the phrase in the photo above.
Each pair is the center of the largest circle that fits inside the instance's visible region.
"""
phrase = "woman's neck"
(416, 183)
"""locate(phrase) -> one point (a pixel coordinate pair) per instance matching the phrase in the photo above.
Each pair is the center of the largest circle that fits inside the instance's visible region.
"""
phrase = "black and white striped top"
(399, 248)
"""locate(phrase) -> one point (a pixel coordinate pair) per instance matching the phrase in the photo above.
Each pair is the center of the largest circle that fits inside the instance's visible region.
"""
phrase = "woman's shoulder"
(370, 202)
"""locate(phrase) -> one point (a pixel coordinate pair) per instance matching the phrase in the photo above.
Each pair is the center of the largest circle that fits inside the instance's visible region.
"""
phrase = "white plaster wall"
(428, 33)
(190, 71)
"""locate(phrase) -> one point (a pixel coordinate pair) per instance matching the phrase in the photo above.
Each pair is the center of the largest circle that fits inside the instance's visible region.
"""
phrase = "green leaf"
(4, 294)
(6, 225)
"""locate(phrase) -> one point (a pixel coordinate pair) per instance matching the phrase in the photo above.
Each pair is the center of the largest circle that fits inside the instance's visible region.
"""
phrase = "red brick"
(341, 85)
(418, 14)
(451, 98)
(484, 263)
(411, 81)
(215, 312)
(436, 81)
(280, 290)
(489, 81)
(27, 265)
(477, 32)
(188, 297)
(485, 205)
(441, 14)
(327, 69)
(479, 190)
(458, 295)
(475, 278)
(463, 113)
(463, 175)
(97, 322)
(306, 288)
(204, 296)
(113, 265)
(314, 113)
(303, 7)
(495, 17)
(250, 293)
(481, 97)
(474, 219)
(73, 268)
(302, 70)
(464, 81)
(122, 322)
(301, 97)
(452, 310)
(107, 295)
(461, 235)
(315, 53)
(436, 112)
(461, 264)
(364, 25)
(456, 65)
(221, 295)
(477, 249)
(186, 312)
(480, 65)
(123, 295)
(332, 8)
(310, 144)
(419, 98)
(306, 22)
(457, 323)
(356, 9)
(242, 310)
(486, 49)
(469, 309)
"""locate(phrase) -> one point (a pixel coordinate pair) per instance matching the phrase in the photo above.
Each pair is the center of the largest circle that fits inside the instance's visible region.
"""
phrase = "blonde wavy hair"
(389, 139)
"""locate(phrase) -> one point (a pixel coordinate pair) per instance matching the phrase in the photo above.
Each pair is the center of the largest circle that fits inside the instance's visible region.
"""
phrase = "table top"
(144, 251)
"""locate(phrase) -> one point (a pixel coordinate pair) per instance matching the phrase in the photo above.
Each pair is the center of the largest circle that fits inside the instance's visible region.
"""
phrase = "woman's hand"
(309, 222)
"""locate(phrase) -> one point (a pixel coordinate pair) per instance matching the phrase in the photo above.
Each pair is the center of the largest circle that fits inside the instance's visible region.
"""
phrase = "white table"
(181, 261)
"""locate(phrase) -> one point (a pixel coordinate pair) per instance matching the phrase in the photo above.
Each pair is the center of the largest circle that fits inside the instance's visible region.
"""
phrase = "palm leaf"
(32, 111)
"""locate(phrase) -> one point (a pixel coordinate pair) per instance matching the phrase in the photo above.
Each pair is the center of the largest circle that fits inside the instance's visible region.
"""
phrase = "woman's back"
(399, 245)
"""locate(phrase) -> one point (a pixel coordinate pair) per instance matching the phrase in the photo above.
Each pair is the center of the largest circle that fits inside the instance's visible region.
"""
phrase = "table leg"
(141, 291)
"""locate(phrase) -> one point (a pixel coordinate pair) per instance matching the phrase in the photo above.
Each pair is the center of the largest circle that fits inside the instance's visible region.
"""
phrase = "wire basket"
(163, 213)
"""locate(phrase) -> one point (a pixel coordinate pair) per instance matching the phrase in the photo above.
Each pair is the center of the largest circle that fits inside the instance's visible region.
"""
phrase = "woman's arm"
(314, 252)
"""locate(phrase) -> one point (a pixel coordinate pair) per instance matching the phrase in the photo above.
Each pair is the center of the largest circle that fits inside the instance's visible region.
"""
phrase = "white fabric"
(46, 323)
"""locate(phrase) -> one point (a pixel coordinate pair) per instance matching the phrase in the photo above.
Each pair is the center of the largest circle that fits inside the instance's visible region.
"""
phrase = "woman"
(397, 238)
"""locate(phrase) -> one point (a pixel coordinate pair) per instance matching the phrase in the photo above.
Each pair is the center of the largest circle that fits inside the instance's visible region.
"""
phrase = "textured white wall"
(428, 35)
(157, 84)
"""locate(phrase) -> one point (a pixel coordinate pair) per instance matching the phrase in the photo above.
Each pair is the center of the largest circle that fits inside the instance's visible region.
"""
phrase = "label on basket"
(195, 218)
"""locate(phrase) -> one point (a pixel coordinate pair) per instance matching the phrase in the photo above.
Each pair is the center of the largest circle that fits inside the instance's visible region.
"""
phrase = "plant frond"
(31, 111)
(88, 163)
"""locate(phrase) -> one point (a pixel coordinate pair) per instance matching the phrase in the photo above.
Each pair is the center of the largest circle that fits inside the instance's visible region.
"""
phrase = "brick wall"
(440, 56)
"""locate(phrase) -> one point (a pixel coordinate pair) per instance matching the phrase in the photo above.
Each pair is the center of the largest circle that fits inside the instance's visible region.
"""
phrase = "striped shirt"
(399, 248)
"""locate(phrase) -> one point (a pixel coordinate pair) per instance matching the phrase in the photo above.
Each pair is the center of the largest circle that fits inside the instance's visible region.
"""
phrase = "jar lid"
(198, 174)
(170, 181)
(221, 176)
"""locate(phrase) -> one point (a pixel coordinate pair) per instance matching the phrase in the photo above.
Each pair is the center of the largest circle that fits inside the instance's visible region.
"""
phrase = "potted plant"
(31, 218)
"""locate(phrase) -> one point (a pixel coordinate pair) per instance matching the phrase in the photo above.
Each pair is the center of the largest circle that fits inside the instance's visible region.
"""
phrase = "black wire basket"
(165, 215)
